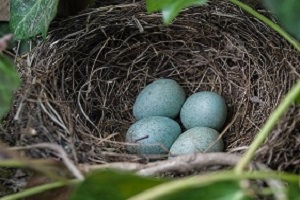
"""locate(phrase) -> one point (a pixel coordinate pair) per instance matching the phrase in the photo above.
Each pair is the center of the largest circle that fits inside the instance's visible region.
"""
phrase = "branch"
(182, 163)
(189, 162)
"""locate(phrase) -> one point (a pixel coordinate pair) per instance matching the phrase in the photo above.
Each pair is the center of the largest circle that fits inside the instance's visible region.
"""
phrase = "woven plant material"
(82, 81)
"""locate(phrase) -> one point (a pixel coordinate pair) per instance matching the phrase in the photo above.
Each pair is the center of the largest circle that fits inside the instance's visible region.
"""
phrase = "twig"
(61, 153)
(4, 41)
(189, 162)
(82, 111)
(54, 116)
(126, 166)
(182, 163)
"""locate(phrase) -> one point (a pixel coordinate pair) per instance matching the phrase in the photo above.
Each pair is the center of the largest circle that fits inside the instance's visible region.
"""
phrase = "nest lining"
(83, 80)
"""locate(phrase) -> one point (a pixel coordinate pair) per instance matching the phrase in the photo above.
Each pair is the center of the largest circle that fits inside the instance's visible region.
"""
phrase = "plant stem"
(39, 189)
(12, 163)
(160, 191)
(268, 22)
(271, 122)
(22, 163)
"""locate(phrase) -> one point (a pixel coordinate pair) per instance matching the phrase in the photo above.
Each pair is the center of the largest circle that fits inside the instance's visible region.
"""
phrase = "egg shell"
(207, 109)
(197, 139)
(163, 97)
(154, 135)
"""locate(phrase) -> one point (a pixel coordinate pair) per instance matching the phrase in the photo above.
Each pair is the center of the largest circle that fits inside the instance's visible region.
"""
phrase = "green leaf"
(31, 17)
(225, 190)
(171, 8)
(288, 12)
(9, 81)
(298, 100)
(293, 191)
(107, 185)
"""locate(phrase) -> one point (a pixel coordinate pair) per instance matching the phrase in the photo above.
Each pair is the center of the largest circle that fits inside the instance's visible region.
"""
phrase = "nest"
(83, 80)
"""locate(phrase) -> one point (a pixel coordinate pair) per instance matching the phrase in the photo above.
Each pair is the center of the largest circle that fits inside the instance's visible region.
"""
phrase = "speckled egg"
(197, 139)
(163, 97)
(207, 109)
(153, 135)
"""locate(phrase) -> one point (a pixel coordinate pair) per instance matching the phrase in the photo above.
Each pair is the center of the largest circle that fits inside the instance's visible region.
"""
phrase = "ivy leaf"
(31, 17)
(107, 185)
(171, 8)
(288, 12)
(9, 81)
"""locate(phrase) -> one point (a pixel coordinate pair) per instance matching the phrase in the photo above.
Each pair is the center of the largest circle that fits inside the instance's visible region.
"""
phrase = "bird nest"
(82, 81)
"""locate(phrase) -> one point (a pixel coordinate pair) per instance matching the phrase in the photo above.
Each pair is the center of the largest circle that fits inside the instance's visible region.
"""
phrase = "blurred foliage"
(9, 81)
(114, 185)
(288, 12)
(171, 8)
(225, 190)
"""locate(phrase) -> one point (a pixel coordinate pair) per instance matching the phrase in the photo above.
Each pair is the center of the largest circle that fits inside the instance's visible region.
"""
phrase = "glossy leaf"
(288, 12)
(171, 8)
(9, 81)
(107, 185)
(31, 17)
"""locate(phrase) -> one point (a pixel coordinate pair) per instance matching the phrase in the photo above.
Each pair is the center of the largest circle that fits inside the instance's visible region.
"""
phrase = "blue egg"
(152, 135)
(197, 139)
(207, 109)
(163, 97)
